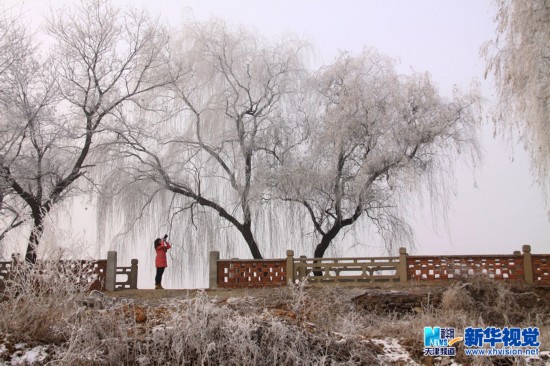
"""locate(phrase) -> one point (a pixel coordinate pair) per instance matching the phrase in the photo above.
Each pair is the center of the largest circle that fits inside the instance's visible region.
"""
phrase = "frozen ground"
(332, 320)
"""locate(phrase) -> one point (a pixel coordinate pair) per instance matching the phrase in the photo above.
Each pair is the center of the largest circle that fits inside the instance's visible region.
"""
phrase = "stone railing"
(235, 273)
(5, 267)
(541, 269)
(347, 270)
(92, 273)
(405, 269)
(102, 274)
(518, 267)
(239, 273)
(89, 272)
(114, 272)
(424, 268)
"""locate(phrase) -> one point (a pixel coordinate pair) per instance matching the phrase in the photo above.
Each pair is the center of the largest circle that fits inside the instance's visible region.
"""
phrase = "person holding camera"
(161, 247)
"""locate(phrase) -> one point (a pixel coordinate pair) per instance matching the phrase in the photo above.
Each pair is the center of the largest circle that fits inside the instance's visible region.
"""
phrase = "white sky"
(496, 210)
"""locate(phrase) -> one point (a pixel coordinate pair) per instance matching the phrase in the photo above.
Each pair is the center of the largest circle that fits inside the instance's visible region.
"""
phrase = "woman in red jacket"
(161, 247)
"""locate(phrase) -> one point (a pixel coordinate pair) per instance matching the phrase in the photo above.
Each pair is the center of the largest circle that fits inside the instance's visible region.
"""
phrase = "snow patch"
(393, 352)
(30, 356)
(542, 356)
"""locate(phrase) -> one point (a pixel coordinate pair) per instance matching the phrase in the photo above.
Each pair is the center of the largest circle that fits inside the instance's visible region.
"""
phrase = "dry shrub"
(38, 300)
(327, 307)
(491, 302)
(473, 301)
(545, 335)
(205, 332)
(297, 325)
(457, 298)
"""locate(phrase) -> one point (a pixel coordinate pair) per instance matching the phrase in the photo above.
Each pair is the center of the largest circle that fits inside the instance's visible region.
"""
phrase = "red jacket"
(160, 261)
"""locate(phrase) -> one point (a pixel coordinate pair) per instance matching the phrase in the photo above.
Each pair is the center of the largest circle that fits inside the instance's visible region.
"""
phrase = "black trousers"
(158, 277)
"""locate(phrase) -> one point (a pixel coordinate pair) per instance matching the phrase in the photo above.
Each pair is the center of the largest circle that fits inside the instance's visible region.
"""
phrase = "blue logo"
(431, 336)
(438, 341)
(440, 337)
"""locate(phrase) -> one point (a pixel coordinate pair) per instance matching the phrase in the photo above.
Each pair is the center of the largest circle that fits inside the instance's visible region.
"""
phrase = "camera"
(165, 237)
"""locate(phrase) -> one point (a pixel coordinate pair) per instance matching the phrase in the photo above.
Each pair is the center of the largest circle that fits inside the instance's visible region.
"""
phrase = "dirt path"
(152, 297)
(383, 298)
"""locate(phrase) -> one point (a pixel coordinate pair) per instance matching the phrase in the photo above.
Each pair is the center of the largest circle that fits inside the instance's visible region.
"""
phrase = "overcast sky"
(496, 209)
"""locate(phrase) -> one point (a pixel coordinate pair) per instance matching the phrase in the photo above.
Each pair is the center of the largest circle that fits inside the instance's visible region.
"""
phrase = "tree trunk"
(249, 238)
(323, 245)
(334, 230)
(36, 234)
(321, 248)
(244, 229)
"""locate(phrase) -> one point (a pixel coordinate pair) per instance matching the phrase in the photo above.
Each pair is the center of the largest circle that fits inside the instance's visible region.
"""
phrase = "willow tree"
(221, 125)
(519, 60)
(101, 59)
(374, 137)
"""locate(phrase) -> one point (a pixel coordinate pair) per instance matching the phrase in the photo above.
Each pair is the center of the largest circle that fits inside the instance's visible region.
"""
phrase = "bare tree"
(17, 68)
(229, 104)
(374, 136)
(103, 58)
(519, 59)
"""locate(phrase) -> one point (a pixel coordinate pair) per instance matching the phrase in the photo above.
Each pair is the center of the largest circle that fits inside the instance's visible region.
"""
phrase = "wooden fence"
(404, 269)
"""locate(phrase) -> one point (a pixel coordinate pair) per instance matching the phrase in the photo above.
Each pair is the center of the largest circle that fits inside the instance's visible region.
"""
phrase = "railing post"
(213, 258)
(133, 274)
(527, 264)
(15, 259)
(302, 271)
(402, 269)
(290, 267)
(110, 272)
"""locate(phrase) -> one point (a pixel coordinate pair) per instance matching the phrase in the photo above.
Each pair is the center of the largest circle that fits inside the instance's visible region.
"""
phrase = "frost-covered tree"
(15, 48)
(374, 136)
(220, 128)
(519, 60)
(56, 109)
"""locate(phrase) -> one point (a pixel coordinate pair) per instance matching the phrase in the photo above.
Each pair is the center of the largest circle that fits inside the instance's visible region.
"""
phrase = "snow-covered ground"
(393, 354)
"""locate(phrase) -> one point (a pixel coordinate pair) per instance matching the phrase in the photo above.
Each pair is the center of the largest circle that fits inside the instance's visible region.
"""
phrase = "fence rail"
(90, 272)
(251, 273)
(102, 274)
(87, 272)
(347, 270)
(541, 269)
(509, 268)
(130, 281)
(518, 267)
(5, 267)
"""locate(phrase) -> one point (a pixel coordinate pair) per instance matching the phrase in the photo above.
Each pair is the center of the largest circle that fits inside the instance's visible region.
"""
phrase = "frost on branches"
(519, 59)
(374, 137)
(253, 131)
(56, 105)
